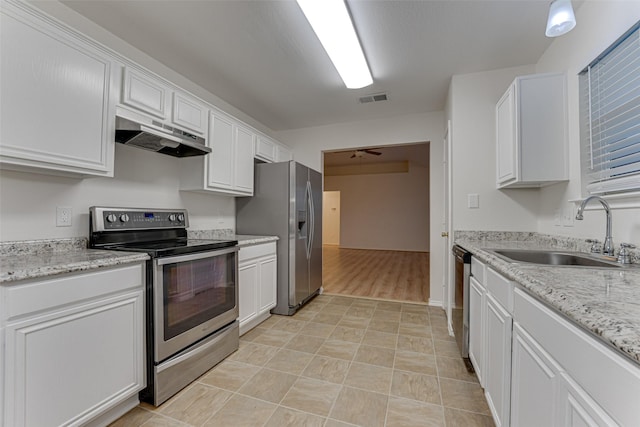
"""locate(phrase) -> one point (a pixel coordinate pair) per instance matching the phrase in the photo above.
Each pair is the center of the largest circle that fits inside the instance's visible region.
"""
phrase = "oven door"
(194, 295)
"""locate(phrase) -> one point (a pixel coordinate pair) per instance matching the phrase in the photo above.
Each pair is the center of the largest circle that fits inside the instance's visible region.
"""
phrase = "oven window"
(197, 291)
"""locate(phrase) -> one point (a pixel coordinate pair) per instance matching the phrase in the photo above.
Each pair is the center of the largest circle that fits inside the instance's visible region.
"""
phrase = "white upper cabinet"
(271, 151)
(228, 169)
(283, 154)
(189, 113)
(243, 160)
(531, 132)
(58, 103)
(145, 94)
(265, 149)
(172, 106)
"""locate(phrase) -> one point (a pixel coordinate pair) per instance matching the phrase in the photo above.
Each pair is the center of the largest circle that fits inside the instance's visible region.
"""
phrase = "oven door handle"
(196, 256)
(206, 347)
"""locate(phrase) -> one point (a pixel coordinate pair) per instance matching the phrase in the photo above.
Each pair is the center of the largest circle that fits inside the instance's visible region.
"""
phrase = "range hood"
(155, 136)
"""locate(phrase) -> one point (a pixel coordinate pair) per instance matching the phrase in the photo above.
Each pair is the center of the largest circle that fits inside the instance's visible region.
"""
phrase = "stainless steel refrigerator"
(287, 202)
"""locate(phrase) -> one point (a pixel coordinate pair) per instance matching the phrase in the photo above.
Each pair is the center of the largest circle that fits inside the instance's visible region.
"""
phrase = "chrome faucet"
(607, 248)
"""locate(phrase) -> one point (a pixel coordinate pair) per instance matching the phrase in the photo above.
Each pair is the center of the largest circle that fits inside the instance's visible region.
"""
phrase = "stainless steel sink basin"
(555, 258)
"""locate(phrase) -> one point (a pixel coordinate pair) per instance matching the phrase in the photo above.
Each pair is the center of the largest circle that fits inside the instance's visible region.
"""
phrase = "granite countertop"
(248, 240)
(243, 239)
(605, 302)
(42, 258)
(32, 259)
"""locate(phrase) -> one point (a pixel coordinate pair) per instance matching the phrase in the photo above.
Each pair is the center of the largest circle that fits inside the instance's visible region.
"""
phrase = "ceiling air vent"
(373, 98)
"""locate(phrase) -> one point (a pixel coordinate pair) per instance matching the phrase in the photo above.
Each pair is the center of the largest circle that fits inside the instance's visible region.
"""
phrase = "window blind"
(610, 117)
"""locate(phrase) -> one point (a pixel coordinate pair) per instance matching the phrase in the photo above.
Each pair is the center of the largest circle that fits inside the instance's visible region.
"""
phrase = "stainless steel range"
(191, 298)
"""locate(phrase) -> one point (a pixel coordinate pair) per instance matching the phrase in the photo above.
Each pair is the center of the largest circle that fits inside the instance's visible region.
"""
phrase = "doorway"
(384, 237)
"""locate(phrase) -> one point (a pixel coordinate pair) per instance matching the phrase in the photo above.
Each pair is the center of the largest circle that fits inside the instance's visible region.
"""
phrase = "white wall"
(599, 24)
(472, 102)
(384, 211)
(142, 179)
(309, 143)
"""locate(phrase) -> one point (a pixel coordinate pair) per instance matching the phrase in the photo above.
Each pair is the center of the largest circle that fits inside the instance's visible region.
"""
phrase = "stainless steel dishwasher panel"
(460, 308)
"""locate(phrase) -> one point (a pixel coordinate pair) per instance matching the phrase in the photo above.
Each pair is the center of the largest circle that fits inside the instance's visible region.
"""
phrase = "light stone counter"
(243, 240)
(41, 258)
(605, 302)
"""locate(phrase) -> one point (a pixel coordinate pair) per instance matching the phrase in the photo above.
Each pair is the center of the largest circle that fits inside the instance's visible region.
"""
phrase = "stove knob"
(124, 218)
(112, 218)
(172, 217)
(181, 217)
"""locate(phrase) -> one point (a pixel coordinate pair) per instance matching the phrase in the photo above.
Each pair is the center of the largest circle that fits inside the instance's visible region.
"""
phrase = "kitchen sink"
(555, 258)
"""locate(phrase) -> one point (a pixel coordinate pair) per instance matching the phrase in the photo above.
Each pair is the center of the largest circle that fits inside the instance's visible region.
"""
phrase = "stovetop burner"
(158, 232)
(172, 247)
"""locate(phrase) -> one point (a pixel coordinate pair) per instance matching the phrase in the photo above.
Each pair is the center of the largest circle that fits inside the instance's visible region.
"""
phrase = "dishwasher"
(460, 307)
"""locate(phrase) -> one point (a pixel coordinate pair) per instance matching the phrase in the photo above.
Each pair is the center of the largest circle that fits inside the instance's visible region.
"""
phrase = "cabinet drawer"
(593, 365)
(478, 270)
(501, 288)
(256, 251)
(43, 295)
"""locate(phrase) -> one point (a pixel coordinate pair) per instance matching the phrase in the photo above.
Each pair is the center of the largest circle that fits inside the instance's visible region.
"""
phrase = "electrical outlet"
(64, 216)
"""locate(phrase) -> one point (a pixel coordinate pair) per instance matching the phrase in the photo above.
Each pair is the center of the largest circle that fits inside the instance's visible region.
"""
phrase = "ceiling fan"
(361, 153)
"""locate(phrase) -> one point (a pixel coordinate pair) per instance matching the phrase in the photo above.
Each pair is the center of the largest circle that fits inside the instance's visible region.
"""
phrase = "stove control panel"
(105, 219)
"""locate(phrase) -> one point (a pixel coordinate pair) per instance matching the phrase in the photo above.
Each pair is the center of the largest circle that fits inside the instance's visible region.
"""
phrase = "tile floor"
(340, 361)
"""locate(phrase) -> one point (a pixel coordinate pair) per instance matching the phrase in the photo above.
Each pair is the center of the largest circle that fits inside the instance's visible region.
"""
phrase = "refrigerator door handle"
(309, 202)
(313, 219)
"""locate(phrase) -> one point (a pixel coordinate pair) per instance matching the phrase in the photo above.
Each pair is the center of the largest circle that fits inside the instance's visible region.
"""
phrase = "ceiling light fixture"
(332, 24)
(561, 18)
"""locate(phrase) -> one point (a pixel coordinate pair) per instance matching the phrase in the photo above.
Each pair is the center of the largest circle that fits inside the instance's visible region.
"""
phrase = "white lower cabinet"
(498, 364)
(539, 369)
(567, 373)
(257, 266)
(533, 382)
(74, 346)
(477, 316)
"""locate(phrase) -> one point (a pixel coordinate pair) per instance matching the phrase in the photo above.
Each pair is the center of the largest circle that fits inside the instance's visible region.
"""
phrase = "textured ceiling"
(263, 58)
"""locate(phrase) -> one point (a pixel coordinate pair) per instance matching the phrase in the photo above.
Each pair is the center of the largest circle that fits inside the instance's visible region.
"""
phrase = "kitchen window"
(610, 118)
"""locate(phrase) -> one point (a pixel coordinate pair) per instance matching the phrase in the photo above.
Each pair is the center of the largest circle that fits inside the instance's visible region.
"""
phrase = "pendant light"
(561, 18)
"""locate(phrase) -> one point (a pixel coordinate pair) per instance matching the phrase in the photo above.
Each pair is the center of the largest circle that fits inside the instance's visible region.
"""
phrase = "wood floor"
(390, 275)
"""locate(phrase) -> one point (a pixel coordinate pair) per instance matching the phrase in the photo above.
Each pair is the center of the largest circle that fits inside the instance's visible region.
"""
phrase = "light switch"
(473, 201)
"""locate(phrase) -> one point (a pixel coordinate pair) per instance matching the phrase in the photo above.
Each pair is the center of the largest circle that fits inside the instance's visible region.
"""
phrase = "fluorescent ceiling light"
(332, 24)
(561, 18)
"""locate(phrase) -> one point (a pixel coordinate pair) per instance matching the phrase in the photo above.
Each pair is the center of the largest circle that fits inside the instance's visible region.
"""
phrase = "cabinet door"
(65, 367)
(265, 149)
(498, 363)
(144, 93)
(577, 409)
(220, 161)
(506, 138)
(243, 172)
(533, 382)
(56, 110)
(247, 293)
(189, 114)
(477, 327)
(283, 154)
(267, 291)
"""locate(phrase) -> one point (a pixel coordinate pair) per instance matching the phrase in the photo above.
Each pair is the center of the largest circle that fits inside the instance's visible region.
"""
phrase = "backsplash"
(222, 233)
